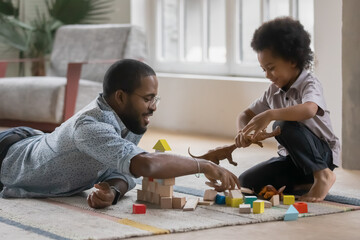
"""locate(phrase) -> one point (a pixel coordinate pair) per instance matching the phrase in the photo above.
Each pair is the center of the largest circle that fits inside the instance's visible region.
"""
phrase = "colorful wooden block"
(152, 186)
(141, 195)
(210, 195)
(145, 184)
(148, 196)
(275, 200)
(220, 199)
(206, 203)
(258, 207)
(235, 193)
(166, 202)
(246, 190)
(227, 200)
(235, 202)
(191, 204)
(250, 200)
(164, 190)
(267, 204)
(167, 181)
(155, 198)
(288, 199)
(245, 208)
(301, 207)
(139, 208)
(178, 202)
(162, 146)
(291, 214)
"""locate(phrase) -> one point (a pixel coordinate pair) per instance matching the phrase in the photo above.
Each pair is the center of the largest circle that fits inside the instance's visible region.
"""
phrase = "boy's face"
(283, 73)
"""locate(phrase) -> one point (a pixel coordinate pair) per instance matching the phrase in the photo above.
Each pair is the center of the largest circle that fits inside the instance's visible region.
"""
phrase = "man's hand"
(214, 173)
(102, 197)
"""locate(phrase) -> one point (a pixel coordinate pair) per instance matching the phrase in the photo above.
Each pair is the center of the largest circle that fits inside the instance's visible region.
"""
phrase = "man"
(97, 146)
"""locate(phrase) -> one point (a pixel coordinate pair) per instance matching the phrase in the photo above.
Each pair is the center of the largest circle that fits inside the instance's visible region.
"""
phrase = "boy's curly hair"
(286, 38)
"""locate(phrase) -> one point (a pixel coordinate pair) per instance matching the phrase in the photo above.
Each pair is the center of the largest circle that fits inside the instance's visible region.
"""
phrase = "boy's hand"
(241, 140)
(102, 197)
(257, 124)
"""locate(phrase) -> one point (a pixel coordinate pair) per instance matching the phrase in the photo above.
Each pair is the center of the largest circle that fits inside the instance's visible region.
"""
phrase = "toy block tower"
(161, 146)
(160, 191)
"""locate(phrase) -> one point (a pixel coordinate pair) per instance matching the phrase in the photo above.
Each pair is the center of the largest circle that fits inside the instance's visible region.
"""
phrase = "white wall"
(328, 41)
(198, 105)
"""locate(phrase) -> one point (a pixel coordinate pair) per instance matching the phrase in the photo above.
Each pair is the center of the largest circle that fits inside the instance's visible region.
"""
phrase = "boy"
(308, 149)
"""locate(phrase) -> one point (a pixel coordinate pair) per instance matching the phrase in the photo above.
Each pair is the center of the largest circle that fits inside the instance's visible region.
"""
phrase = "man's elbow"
(141, 165)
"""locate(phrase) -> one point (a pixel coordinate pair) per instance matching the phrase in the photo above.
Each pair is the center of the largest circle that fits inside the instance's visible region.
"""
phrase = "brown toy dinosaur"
(220, 153)
(268, 191)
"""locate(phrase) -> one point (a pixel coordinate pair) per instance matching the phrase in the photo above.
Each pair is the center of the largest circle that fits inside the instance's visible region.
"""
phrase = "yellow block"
(235, 202)
(288, 199)
(228, 201)
(258, 206)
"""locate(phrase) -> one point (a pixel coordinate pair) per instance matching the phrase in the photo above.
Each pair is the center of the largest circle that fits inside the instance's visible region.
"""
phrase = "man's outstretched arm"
(164, 165)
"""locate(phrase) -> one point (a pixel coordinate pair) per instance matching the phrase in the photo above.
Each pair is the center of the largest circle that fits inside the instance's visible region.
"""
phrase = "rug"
(71, 218)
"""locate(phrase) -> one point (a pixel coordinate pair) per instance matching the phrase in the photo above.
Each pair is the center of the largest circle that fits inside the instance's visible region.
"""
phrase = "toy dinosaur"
(268, 191)
(220, 153)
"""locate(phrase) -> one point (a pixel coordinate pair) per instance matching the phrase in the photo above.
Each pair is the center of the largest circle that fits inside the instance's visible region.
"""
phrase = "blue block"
(291, 214)
(250, 200)
(219, 199)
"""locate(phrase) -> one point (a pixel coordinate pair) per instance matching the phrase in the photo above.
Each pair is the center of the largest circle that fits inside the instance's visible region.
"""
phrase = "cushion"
(41, 99)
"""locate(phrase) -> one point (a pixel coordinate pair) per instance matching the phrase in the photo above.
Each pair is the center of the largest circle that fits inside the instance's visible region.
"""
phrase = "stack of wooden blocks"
(160, 192)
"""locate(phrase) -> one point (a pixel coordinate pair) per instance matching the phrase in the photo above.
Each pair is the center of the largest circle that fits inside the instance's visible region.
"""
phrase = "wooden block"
(155, 198)
(164, 190)
(178, 202)
(250, 200)
(267, 204)
(288, 199)
(235, 193)
(258, 207)
(220, 199)
(235, 202)
(227, 201)
(166, 202)
(141, 195)
(301, 207)
(139, 208)
(145, 184)
(206, 203)
(166, 182)
(275, 200)
(152, 186)
(291, 214)
(247, 190)
(191, 204)
(148, 196)
(245, 208)
(210, 195)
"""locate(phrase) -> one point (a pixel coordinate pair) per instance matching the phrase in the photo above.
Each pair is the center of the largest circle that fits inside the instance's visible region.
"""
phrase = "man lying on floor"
(98, 146)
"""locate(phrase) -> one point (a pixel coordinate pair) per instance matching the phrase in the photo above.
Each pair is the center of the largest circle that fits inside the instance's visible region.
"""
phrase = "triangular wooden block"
(162, 146)
(291, 214)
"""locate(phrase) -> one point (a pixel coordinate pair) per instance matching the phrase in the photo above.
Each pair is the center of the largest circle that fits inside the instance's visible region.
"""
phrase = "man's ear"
(120, 97)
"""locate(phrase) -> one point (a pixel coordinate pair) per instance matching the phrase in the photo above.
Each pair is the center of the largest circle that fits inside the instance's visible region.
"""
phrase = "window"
(213, 36)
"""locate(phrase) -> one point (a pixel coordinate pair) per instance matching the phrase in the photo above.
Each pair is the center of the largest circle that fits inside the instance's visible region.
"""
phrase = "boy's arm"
(298, 112)
(243, 119)
(164, 165)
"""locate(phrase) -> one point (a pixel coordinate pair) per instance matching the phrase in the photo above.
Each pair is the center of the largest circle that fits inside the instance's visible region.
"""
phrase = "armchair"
(80, 57)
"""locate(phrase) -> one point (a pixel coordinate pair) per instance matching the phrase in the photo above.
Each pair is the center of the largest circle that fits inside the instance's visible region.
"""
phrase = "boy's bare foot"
(323, 181)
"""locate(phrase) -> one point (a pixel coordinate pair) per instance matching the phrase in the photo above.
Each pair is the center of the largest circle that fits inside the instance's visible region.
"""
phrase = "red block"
(151, 179)
(139, 208)
(301, 207)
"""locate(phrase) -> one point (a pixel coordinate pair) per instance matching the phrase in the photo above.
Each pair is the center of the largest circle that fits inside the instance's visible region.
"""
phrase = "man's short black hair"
(126, 75)
(287, 39)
